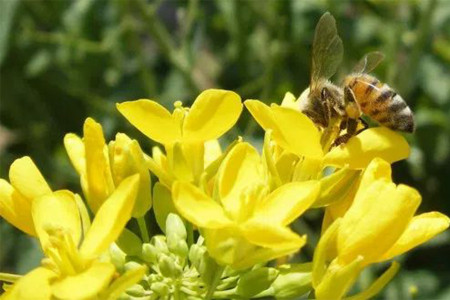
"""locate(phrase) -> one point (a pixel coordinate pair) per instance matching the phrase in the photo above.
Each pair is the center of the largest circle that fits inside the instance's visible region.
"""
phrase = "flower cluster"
(224, 214)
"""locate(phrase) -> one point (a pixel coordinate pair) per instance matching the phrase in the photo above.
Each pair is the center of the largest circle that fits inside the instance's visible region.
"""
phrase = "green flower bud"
(117, 257)
(178, 247)
(176, 235)
(168, 267)
(175, 227)
(149, 253)
(196, 254)
(131, 265)
(293, 281)
(136, 290)
(256, 281)
(160, 288)
(154, 278)
(159, 241)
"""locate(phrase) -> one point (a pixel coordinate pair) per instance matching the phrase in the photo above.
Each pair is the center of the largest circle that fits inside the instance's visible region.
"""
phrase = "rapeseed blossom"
(73, 246)
(381, 211)
(243, 222)
(224, 214)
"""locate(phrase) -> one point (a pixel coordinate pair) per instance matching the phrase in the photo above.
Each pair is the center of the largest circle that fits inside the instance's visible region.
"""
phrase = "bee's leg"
(343, 124)
(364, 124)
(352, 125)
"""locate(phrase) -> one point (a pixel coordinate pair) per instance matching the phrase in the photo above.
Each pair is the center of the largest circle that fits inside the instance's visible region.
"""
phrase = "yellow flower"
(16, 198)
(242, 222)
(184, 132)
(74, 267)
(296, 133)
(102, 168)
(379, 225)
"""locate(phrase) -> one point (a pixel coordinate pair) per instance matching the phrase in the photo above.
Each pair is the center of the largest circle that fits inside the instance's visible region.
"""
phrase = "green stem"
(215, 282)
(143, 228)
(190, 234)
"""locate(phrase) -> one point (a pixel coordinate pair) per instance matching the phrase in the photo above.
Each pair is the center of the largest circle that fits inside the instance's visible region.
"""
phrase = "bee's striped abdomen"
(381, 103)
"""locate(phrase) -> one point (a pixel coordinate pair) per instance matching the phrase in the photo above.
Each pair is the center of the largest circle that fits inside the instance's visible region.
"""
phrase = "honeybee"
(361, 93)
(376, 99)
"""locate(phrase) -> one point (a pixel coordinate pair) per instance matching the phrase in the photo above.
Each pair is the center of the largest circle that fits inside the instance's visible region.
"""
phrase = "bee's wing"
(327, 50)
(369, 62)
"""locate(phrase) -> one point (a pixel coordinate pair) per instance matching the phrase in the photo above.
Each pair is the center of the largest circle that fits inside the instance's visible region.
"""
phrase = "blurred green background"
(62, 61)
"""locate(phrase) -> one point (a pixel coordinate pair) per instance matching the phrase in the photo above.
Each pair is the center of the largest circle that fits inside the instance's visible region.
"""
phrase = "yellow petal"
(381, 214)
(122, 165)
(159, 158)
(56, 211)
(33, 286)
(292, 130)
(327, 241)
(111, 218)
(228, 247)
(378, 169)
(15, 208)
(262, 114)
(212, 152)
(308, 168)
(240, 170)
(75, 149)
(338, 279)
(288, 202)
(178, 163)
(266, 234)
(84, 214)
(144, 198)
(159, 166)
(128, 279)
(290, 101)
(285, 166)
(85, 285)
(26, 178)
(362, 148)
(98, 174)
(194, 154)
(268, 158)
(421, 229)
(197, 207)
(126, 159)
(213, 113)
(151, 119)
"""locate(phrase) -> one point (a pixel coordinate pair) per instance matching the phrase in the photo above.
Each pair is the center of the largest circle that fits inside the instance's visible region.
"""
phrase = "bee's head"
(333, 95)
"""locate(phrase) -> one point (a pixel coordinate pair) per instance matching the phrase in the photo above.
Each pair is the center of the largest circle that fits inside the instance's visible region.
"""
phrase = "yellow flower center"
(63, 255)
